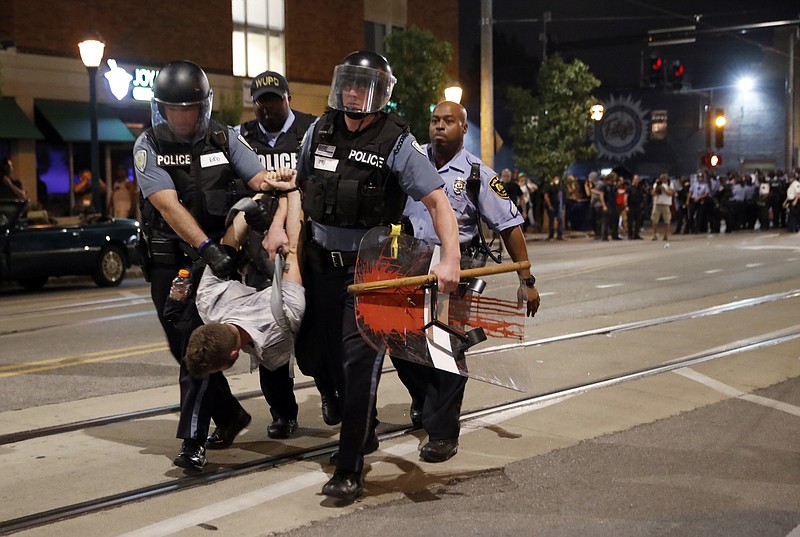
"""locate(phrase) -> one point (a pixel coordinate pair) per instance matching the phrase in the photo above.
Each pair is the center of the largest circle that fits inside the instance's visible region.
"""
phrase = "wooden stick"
(416, 281)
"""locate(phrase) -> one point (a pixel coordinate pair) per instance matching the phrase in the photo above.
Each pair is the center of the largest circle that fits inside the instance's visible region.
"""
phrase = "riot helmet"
(182, 83)
(362, 84)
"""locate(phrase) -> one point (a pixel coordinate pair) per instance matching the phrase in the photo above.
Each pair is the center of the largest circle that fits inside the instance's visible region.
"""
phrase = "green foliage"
(551, 130)
(230, 108)
(418, 62)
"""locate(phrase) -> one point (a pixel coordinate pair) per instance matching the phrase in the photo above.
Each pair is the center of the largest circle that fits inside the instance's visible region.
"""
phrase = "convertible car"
(31, 252)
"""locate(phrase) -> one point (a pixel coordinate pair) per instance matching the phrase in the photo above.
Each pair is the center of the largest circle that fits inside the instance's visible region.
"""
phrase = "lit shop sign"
(120, 82)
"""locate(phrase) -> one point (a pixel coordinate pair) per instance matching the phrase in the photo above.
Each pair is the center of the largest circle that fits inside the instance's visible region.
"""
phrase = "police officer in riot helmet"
(186, 166)
(362, 85)
(357, 166)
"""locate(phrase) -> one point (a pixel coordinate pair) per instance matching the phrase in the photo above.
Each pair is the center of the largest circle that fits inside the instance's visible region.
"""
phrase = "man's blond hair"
(209, 349)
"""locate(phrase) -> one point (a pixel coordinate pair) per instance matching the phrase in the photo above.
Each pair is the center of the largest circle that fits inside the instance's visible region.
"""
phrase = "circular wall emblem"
(623, 130)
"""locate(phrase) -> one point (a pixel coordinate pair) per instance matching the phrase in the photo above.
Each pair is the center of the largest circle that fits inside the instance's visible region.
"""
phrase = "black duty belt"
(330, 258)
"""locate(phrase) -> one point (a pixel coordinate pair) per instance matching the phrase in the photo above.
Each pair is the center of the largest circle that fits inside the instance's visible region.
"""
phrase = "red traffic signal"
(711, 160)
(656, 69)
(676, 74)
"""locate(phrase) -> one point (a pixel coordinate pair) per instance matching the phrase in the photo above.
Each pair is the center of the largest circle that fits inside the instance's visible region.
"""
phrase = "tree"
(230, 108)
(418, 62)
(551, 130)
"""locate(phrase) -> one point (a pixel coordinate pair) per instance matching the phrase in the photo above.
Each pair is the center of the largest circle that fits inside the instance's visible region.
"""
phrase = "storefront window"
(258, 36)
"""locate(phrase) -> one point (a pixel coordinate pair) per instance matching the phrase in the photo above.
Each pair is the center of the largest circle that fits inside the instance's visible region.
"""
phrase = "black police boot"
(370, 447)
(281, 428)
(223, 436)
(344, 485)
(331, 409)
(192, 455)
(439, 450)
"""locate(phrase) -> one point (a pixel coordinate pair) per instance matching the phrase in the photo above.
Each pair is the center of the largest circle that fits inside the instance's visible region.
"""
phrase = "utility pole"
(546, 17)
(791, 154)
(487, 85)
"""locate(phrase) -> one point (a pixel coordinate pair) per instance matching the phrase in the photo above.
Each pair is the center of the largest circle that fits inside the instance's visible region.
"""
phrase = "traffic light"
(711, 160)
(656, 70)
(719, 127)
(676, 74)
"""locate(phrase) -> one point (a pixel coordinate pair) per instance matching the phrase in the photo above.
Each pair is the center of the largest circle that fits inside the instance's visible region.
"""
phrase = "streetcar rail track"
(634, 325)
(91, 506)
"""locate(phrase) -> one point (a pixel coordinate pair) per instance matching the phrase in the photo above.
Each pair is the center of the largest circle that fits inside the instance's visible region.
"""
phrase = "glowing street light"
(745, 83)
(91, 50)
(453, 92)
(596, 112)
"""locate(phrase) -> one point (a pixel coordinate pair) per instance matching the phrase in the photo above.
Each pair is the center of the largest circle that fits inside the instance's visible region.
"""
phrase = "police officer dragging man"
(190, 170)
(357, 166)
(275, 135)
(436, 394)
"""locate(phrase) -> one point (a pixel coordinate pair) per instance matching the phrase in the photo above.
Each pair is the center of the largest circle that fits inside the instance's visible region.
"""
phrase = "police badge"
(459, 184)
(140, 160)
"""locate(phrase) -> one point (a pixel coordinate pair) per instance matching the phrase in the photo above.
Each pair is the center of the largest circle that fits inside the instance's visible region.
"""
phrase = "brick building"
(44, 86)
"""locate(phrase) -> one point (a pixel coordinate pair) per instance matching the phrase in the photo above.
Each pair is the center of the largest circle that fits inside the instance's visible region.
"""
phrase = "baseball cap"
(268, 82)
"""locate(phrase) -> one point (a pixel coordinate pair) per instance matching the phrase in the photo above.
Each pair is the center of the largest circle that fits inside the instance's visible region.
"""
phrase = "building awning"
(72, 121)
(14, 124)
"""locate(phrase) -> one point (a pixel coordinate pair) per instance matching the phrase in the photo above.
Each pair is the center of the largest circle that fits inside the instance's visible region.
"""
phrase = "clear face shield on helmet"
(180, 118)
(359, 89)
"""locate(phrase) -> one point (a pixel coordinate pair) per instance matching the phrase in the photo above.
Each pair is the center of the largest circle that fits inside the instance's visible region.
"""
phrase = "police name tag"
(213, 159)
(327, 164)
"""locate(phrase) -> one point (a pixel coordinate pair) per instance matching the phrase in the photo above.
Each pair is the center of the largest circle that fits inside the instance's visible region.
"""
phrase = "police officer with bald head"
(437, 395)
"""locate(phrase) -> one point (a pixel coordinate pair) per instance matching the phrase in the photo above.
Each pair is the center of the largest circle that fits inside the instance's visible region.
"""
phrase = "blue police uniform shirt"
(152, 178)
(698, 189)
(407, 160)
(271, 137)
(737, 192)
(496, 209)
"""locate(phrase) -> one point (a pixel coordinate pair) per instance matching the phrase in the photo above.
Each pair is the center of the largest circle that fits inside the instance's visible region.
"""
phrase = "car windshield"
(10, 211)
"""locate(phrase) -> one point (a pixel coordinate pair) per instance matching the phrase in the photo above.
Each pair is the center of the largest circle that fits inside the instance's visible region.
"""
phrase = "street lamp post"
(91, 50)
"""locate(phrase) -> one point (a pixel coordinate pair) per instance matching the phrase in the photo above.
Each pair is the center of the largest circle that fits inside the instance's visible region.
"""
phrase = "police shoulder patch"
(140, 160)
(418, 147)
(497, 187)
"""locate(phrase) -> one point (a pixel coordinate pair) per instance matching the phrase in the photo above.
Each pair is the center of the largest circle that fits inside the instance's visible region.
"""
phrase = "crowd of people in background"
(613, 206)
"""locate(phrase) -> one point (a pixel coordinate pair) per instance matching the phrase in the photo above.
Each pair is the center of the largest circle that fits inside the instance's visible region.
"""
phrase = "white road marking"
(713, 271)
(252, 499)
(795, 532)
(733, 392)
(665, 278)
(608, 285)
(754, 265)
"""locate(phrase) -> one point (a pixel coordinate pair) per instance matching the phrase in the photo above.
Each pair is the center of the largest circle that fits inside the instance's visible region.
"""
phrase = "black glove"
(260, 217)
(218, 259)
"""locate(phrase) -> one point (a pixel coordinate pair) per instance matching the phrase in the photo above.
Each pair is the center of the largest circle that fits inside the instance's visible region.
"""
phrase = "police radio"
(473, 189)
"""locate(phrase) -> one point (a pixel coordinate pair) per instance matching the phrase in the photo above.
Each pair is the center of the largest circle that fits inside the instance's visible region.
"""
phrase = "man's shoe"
(344, 485)
(281, 428)
(223, 436)
(439, 450)
(331, 410)
(370, 447)
(191, 457)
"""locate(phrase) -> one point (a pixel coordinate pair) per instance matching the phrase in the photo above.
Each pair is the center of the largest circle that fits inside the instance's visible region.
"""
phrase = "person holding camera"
(662, 205)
